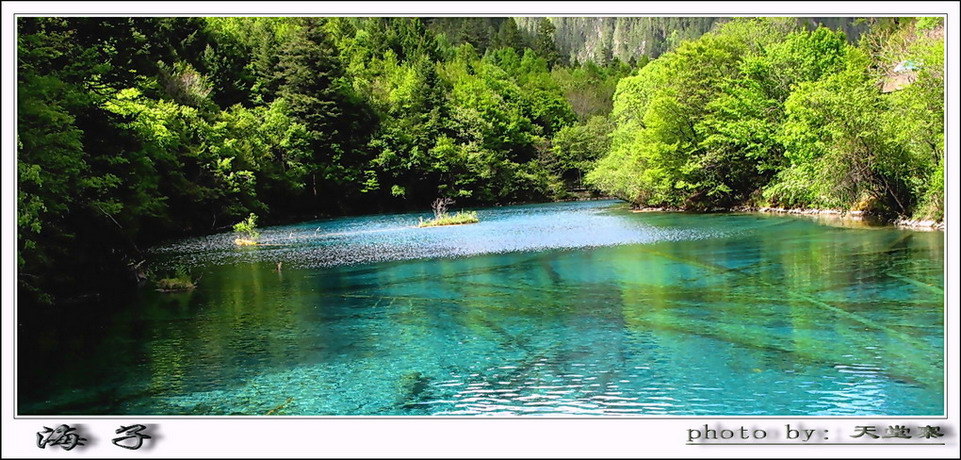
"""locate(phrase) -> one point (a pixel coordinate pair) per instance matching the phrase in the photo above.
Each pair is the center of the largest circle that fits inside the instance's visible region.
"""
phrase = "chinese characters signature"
(131, 432)
(63, 436)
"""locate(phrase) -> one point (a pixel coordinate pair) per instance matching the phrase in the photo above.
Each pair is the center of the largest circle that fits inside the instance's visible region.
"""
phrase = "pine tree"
(313, 82)
(545, 45)
(508, 36)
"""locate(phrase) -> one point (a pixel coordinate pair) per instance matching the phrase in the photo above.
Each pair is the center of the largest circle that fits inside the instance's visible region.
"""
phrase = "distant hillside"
(599, 39)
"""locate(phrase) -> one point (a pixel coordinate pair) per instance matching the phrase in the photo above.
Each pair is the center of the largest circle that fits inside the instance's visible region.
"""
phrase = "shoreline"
(899, 222)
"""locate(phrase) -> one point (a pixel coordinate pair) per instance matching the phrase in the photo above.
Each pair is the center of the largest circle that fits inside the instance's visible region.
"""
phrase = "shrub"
(179, 281)
(247, 231)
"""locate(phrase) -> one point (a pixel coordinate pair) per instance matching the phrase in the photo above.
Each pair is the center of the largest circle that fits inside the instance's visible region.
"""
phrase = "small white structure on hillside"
(905, 73)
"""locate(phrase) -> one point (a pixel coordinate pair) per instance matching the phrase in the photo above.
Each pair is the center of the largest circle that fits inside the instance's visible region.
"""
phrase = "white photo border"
(425, 437)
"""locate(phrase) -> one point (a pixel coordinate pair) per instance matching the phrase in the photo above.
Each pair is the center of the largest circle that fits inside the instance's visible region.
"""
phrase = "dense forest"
(133, 130)
(757, 112)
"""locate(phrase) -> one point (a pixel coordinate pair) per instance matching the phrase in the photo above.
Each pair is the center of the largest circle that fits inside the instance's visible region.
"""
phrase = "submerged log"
(281, 406)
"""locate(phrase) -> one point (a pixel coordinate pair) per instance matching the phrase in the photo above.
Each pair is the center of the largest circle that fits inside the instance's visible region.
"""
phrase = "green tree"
(576, 149)
(509, 36)
(313, 82)
(544, 43)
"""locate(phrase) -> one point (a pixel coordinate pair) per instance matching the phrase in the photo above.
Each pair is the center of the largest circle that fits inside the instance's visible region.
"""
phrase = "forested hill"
(133, 130)
(759, 112)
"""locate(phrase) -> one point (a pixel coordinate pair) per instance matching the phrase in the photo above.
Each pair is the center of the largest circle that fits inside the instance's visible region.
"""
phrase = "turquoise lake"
(583, 309)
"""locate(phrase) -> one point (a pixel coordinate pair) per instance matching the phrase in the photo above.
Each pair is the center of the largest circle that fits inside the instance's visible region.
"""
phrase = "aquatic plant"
(247, 231)
(181, 280)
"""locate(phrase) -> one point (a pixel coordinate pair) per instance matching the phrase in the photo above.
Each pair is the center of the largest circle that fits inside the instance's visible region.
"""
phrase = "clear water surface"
(556, 309)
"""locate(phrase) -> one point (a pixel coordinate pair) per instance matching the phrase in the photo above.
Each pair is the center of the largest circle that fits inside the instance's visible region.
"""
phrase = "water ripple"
(383, 238)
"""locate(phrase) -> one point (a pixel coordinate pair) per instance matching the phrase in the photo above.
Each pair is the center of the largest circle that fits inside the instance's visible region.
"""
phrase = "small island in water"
(246, 231)
(442, 217)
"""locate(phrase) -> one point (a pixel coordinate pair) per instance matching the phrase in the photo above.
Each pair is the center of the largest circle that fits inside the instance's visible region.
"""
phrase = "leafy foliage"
(763, 111)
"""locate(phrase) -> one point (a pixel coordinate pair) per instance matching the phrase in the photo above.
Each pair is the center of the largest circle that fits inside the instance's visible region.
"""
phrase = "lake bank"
(899, 222)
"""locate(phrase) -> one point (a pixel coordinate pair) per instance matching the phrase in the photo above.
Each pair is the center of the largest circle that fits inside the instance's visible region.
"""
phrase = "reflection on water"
(562, 309)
